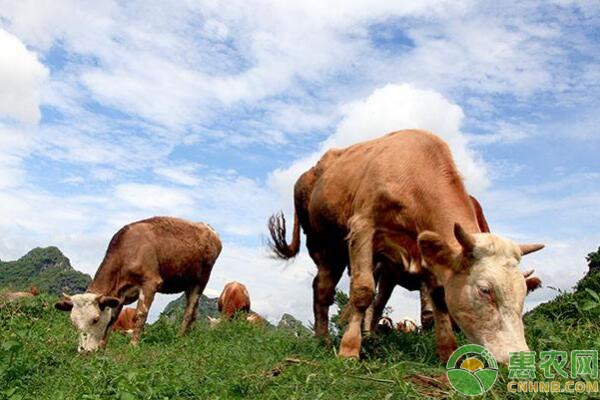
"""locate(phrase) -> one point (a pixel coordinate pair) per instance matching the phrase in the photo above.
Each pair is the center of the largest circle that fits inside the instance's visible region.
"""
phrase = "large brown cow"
(160, 254)
(400, 199)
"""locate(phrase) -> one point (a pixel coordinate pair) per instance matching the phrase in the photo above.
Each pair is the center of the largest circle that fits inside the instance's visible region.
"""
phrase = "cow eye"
(485, 290)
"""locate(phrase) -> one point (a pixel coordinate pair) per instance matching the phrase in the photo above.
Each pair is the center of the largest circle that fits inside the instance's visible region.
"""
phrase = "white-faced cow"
(156, 255)
(407, 325)
(399, 199)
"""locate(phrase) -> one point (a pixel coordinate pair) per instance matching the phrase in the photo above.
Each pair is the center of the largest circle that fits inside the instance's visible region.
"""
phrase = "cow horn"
(530, 248)
(66, 296)
(528, 273)
(466, 240)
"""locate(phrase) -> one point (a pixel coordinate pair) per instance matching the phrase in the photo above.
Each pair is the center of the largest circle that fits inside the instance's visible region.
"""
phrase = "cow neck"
(442, 217)
(107, 278)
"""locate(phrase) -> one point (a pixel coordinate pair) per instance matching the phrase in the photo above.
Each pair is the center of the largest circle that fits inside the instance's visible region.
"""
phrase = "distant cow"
(156, 255)
(233, 299)
(125, 323)
(384, 325)
(406, 325)
(11, 296)
(399, 199)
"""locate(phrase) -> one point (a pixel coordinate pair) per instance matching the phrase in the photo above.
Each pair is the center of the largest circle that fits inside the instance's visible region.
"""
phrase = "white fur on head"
(91, 322)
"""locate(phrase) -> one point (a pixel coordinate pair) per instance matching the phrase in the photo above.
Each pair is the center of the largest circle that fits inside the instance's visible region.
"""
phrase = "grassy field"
(38, 359)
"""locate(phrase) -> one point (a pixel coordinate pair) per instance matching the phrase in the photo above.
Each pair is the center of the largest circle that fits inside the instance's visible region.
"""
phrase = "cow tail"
(278, 243)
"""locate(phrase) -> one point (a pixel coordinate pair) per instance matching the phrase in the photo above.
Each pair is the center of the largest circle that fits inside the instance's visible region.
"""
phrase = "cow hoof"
(349, 349)
(134, 343)
(348, 353)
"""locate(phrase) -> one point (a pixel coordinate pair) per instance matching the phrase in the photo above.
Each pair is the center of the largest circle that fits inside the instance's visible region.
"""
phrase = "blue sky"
(114, 112)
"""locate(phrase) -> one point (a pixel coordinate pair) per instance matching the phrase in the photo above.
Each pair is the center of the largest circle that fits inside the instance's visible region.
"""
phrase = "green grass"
(38, 361)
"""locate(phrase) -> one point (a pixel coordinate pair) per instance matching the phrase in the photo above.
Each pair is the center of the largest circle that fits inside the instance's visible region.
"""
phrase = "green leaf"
(593, 294)
(588, 305)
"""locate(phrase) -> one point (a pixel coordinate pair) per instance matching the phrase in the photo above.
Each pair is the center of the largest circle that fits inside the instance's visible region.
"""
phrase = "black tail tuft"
(278, 243)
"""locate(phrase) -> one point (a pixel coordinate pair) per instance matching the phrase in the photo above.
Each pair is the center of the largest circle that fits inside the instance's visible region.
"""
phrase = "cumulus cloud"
(21, 78)
(387, 109)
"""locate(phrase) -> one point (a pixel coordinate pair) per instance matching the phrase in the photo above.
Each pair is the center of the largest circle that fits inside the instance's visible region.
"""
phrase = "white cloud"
(388, 109)
(180, 174)
(21, 77)
(154, 197)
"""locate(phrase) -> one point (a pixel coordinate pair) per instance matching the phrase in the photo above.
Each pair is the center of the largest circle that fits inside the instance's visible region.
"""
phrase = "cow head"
(483, 285)
(384, 325)
(91, 314)
(407, 325)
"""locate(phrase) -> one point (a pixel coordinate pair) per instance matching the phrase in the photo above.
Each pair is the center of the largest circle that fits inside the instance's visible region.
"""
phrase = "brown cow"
(11, 296)
(234, 299)
(387, 277)
(125, 323)
(156, 255)
(400, 199)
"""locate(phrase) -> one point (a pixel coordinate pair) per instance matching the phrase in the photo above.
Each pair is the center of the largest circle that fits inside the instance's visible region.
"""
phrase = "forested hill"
(46, 268)
(206, 307)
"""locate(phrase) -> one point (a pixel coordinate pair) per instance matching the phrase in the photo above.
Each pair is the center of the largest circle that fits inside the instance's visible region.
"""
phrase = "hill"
(47, 268)
(206, 307)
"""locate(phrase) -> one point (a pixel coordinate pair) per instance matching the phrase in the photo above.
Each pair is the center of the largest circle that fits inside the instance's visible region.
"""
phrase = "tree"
(593, 260)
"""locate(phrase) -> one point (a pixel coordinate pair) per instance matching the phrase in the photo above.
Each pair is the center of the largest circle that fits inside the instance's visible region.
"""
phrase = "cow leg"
(362, 284)
(324, 284)
(446, 341)
(192, 296)
(385, 287)
(426, 308)
(144, 302)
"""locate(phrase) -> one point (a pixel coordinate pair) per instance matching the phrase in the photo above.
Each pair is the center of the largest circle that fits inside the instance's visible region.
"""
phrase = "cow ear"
(437, 254)
(64, 305)
(533, 283)
(108, 301)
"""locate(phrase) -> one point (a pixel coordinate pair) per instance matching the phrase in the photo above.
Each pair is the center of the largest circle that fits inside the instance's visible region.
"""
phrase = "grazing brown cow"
(399, 199)
(156, 255)
(11, 296)
(125, 323)
(387, 277)
(233, 299)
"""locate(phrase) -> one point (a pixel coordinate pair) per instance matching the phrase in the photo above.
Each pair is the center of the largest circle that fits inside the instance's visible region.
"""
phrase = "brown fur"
(367, 204)
(387, 277)
(155, 255)
(234, 298)
(126, 320)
